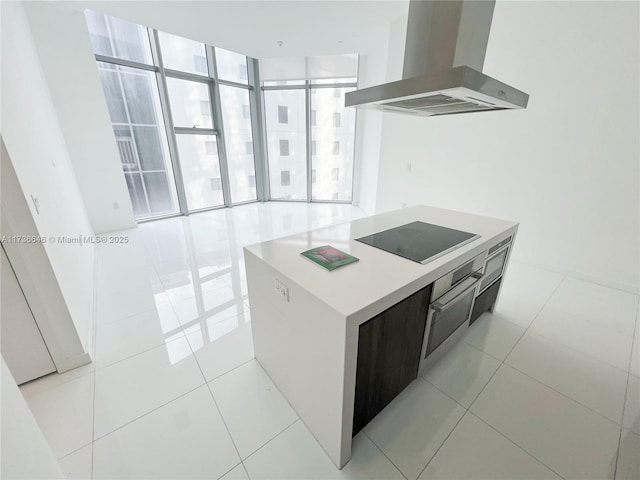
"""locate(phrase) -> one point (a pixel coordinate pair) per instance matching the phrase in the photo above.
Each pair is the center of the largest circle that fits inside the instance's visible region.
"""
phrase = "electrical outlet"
(116, 205)
(408, 167)
(282, 290)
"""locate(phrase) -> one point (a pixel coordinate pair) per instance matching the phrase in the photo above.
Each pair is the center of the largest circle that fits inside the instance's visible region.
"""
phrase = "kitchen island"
(306, 320)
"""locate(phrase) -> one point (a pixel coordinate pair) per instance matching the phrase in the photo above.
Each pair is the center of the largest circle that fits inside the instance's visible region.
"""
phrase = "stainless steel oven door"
(493, 268)
(447, 320)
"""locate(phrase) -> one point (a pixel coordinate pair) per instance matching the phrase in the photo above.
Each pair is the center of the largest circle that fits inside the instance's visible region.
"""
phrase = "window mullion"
(133, 141)
(168, 122)
(308, 129)
(258, 131)
(216, 107)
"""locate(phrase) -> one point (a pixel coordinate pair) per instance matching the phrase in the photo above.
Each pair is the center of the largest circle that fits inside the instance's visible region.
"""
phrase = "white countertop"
(380, 279)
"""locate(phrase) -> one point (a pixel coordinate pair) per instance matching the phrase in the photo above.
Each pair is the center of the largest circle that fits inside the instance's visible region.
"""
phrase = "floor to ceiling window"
(332, 143)
(196, 131)
(235, 103)
(134, 105)
(182, 116)
(285, 114)
(310, 133)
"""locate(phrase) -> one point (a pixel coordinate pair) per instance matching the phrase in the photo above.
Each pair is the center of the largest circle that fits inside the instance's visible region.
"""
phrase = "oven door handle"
(441, 307)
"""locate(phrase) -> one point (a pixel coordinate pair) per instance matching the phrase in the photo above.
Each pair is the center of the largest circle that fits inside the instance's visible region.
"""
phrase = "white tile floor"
(546, 387)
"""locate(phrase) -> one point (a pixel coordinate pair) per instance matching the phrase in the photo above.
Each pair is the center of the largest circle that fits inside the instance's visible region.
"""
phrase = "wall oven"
(449, 310)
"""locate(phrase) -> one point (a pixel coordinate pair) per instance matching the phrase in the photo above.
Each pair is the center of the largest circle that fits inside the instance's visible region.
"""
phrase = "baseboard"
(76, 361)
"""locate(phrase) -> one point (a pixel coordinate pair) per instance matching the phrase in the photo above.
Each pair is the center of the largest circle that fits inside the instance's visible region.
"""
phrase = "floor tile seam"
(215, 402)
(230, 285)
(228, 471)
(109, 281)
(383, 453)
(224, 422)
(558, 343)
(299, 418)
(546, 302)
(494, 373)
(214, 323)
(280, 392)
(464, 339)
(569, 275)
(244, 467)
(153, 265)
(515, 345)
(626, 393)
(104, 367)
(507, 356)
(467, 410)
(75, 450)
(592, 322)
(443, 442)
(565, 395)
(618, 289)
(193, 329)
(503, 318)
(532, 322)
(129, 422)
(443, 392)
(531, 265)
(573, 349)
(30, 395)
(480, 350)
(148, 310)
(271, 440)
(146, 265)
(229, 371)
(274, 436)
(213, 311)
(103, 325)
(176, 331)
(514, 443)
(120, 289)
(188, 297)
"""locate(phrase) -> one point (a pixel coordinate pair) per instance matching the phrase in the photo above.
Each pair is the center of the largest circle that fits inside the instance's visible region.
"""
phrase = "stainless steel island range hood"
(442, 73)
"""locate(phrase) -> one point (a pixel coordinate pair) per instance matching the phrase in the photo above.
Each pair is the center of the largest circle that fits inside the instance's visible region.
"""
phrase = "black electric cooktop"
(419, 241)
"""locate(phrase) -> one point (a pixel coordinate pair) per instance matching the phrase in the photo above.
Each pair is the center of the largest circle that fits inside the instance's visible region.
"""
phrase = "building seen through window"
(184, 123)
(326, 156)
(148, 119)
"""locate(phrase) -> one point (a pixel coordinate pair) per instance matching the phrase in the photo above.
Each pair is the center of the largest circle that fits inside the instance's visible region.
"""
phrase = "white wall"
(38, 153)
(382, 64)
(64, 49)
(567, 167)
(24, 452)
(38, 282)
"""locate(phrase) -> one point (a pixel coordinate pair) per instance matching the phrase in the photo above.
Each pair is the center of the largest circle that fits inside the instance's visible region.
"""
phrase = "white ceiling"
(254, 28)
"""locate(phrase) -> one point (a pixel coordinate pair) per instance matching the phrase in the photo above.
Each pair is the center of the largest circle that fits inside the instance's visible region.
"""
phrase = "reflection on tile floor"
(547, 386)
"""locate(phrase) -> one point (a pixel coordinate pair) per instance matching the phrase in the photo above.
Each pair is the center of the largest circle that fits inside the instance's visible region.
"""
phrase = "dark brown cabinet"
(485, 301)
(389, 347)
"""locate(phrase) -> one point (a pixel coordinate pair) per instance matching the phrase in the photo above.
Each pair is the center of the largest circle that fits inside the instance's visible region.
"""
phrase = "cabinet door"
(485, 301)
(389, 347)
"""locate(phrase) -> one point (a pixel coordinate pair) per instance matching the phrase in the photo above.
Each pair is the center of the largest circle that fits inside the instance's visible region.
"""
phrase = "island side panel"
(301, 345)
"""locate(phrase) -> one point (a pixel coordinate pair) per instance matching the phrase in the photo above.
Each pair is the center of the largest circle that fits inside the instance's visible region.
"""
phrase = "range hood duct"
(443, 59)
